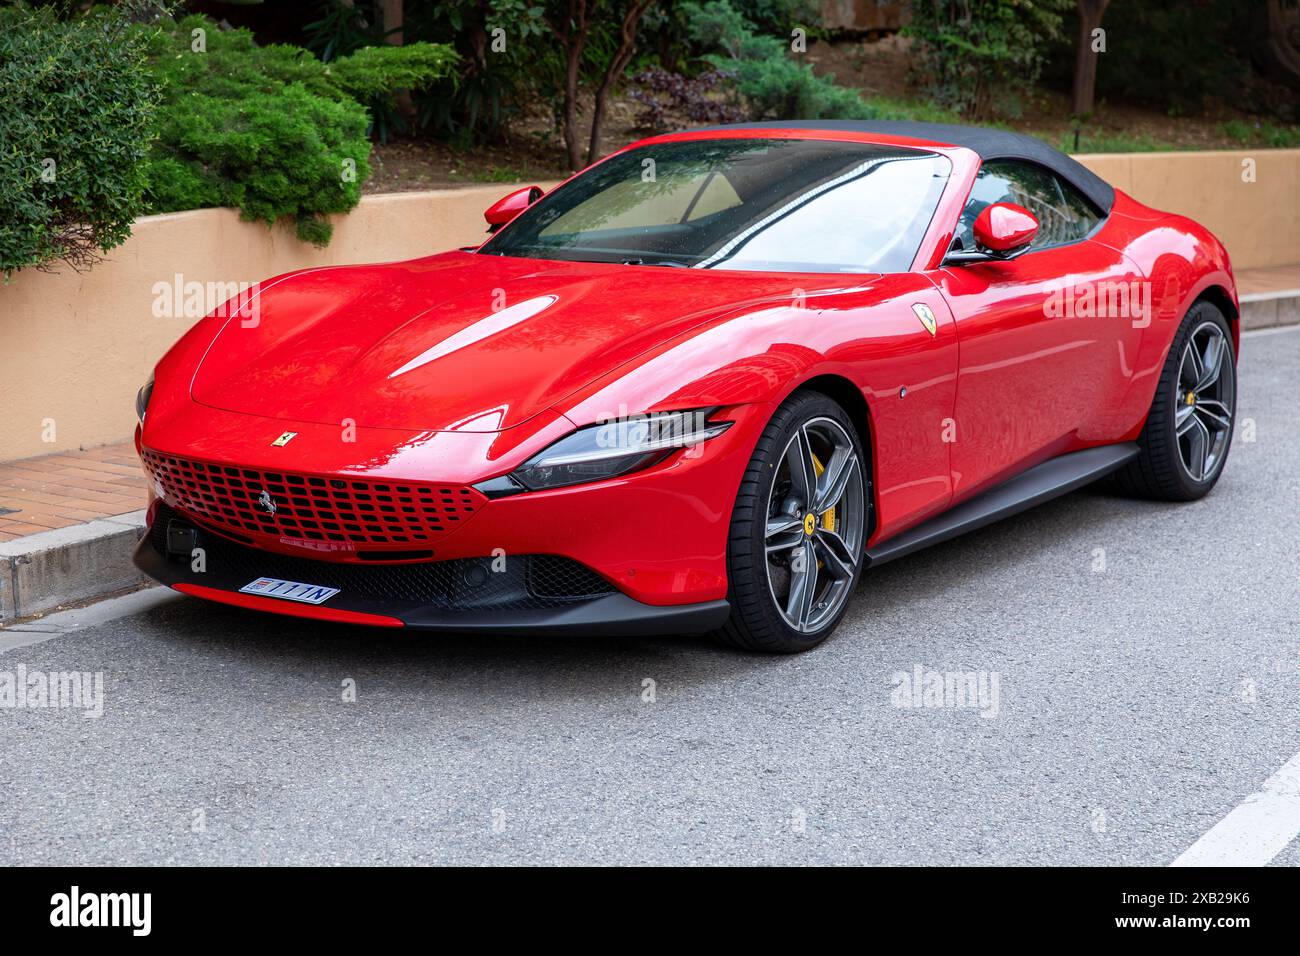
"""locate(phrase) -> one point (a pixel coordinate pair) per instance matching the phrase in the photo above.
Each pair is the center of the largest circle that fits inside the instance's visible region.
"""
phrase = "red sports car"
(700, 386)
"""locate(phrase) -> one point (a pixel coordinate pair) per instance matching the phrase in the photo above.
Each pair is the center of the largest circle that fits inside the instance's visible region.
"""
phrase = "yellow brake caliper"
(828, 518)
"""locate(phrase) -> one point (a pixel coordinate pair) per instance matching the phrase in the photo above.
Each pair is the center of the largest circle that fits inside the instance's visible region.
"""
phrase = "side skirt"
(1051, 479)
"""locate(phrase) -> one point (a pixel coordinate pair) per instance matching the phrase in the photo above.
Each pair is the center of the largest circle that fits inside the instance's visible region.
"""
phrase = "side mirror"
(507, 207)
(1004, 227)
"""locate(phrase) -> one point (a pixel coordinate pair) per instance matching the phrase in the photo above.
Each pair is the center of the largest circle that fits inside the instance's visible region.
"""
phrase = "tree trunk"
(572, 35)
(391, 13)
(570, 116)
(1085, 58)
(622, 56)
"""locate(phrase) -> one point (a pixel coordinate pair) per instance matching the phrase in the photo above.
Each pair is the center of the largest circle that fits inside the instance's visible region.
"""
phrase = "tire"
(771, 510)
(1208, 414)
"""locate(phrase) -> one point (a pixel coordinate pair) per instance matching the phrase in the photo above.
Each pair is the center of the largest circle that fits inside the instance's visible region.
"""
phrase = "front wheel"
(798, 529)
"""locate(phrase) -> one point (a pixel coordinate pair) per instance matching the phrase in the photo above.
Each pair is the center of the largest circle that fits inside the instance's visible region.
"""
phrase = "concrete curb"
(39, 572)
(1265, 310)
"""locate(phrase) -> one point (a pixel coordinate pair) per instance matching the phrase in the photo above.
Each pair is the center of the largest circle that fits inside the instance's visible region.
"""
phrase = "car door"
(1036, 362)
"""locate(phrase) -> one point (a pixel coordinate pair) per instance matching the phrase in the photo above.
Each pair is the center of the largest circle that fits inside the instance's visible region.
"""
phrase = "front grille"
(521, 581)
(350, 513)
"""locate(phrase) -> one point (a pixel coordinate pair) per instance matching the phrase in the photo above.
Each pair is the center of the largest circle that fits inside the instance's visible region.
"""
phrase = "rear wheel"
(798, 529)
(1188, 432)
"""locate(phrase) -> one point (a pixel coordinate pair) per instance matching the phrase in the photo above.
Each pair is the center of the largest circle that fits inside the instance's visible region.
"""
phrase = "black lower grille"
(510, 582)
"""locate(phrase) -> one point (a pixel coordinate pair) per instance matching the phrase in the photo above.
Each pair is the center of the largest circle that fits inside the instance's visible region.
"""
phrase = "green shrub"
(269, 129)
(974, 56)
(492, 84)
(74, 132)
(772, 83)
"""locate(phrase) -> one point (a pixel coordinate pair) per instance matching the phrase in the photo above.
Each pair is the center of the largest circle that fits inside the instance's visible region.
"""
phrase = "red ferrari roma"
(701, 386)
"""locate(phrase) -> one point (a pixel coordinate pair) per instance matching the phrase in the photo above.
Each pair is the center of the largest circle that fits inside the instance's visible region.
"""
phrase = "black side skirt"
(1044, 482)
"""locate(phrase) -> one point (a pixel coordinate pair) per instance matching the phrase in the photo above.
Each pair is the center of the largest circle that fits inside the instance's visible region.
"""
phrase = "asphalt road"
(1137, 705)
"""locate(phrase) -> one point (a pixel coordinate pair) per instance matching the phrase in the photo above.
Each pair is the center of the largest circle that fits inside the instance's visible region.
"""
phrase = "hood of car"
(460, 341)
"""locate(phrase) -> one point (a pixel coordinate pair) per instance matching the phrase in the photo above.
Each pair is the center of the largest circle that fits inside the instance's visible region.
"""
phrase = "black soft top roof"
(988, 143)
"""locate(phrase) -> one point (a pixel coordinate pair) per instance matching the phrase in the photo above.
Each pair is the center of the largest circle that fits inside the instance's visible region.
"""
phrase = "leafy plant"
(975, 55)
(771, 81)
(74, 133)
(271, 130)
(662, 94)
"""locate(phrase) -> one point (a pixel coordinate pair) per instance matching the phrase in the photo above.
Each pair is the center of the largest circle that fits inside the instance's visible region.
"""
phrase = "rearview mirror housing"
(1002, 230)
(509, 206)
(1004, 227)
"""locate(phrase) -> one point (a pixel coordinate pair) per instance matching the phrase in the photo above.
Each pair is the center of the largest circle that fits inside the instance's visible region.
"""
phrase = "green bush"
(491, 86)
(269, 129)
(74, 133)
(772, 83)
(974, 56)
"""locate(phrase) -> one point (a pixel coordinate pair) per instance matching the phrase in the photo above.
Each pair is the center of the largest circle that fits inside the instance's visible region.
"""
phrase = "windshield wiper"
(671, 263)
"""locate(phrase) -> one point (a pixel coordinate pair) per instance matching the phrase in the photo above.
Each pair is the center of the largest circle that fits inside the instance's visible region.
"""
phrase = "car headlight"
(142, 398)
(607, 450)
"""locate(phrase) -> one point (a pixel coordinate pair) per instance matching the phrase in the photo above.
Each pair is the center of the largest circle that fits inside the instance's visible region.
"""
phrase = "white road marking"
(1257, 830)
(64, 622)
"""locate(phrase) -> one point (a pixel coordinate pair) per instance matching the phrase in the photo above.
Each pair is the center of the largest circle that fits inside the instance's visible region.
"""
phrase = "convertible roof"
(988, 143)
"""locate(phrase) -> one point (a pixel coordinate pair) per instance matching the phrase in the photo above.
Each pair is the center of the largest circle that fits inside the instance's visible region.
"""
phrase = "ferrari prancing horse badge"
(927, 318)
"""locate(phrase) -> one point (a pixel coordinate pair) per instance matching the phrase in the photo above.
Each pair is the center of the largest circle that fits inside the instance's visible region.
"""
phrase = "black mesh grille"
(366, 513)
(526, 581)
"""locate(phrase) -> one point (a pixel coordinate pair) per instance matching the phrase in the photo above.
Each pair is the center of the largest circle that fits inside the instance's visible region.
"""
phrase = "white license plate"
(290, 590)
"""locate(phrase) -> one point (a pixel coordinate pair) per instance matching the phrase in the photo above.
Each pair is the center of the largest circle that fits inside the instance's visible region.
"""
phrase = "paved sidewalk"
(1270, 280)
(69, 488)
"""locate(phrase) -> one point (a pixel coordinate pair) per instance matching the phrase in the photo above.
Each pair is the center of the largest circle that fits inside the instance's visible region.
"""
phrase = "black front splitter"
(610, 615)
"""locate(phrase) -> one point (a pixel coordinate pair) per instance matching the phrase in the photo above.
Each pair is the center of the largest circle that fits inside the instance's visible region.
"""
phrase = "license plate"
(290, 590)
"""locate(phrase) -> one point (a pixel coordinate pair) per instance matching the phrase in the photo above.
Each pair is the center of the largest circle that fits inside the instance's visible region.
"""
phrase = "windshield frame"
(925, 231)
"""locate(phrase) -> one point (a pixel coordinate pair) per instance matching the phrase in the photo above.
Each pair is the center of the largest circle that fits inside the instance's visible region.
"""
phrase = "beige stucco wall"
(74, 348)
(1258, 220)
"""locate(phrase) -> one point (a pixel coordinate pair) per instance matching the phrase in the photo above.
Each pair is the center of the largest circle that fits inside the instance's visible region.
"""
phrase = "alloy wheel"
(815, 525)
(1205, 401)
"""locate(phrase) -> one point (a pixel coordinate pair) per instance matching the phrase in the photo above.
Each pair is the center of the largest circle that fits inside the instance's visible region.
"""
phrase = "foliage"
(1096, 142)
(974, 55)
(499, 48)
(75, 128)
(378, 70)
(662, 94)
(918, 111)
(1174, 54)
(1262, 134)
(270, 129)
(772, 82)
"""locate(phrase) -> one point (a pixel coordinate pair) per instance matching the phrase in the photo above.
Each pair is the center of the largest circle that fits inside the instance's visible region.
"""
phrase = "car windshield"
(775, 205)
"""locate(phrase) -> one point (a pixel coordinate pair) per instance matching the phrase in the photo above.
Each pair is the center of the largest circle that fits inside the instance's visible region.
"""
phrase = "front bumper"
(610, 613)
(659, 535)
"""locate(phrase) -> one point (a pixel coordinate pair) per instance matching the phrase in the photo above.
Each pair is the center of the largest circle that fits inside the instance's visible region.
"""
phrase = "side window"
(1063, 215)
